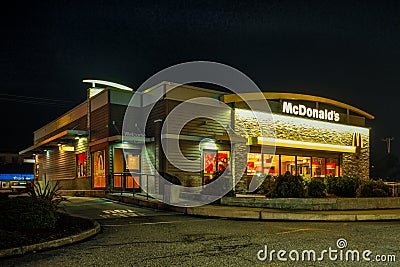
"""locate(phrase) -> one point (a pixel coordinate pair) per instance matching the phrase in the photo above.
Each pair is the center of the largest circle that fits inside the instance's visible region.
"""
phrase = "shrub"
(316, 188)
(343, 186)
(27, 213)
(288, 186)
(371, 188)
(266, 185)
(49, 192)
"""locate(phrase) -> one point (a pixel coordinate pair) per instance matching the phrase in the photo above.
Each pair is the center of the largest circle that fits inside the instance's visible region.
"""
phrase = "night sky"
(344, 50)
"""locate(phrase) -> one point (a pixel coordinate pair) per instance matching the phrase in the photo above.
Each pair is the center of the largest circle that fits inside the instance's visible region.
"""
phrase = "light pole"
(388, 141)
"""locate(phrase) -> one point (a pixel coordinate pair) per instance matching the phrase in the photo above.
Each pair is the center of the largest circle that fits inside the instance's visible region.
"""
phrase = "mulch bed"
(66, 225)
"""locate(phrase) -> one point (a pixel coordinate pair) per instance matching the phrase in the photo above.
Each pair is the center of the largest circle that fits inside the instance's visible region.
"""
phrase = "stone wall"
(298, 129)
(239, 160)
(315, 203)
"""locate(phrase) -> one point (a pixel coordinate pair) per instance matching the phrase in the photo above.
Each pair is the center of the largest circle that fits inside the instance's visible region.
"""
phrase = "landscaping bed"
(65, 226)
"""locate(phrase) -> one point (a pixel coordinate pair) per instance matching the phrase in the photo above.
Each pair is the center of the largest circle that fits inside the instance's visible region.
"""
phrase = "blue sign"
(15, 177)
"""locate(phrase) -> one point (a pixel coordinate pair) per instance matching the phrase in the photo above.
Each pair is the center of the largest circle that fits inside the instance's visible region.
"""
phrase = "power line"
(35, 100)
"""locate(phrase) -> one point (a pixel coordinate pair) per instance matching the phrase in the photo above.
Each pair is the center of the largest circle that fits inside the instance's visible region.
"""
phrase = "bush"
(288, 186)
(267, 185)
(316, 188)
(343, 186)
(27, 213)
(371, 188)
(49, 192)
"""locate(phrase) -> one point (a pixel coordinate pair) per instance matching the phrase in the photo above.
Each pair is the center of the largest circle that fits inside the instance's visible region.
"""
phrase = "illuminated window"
(288, 164)
(209, 165)
(223, 159)
(271, 164)
(332, 167)
(214, 161)
(262, 163)
(99, 174)
(304, 166)
(81, 165)
(318, 167)
(254, 163)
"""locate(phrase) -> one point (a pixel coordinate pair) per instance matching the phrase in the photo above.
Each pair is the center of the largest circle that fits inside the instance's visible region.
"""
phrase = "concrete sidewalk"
(235, 212)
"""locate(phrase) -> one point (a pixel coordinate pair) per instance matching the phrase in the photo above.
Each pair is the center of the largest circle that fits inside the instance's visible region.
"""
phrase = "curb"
(264, 214)
(17, 251)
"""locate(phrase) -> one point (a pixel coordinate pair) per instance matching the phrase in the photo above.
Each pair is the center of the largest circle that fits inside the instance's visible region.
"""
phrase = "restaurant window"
(288, 164)
(270, 164)
(262, 163)
(304, 166)
(81, 165)
(254, 163)
(209, 165)
(318, 167)
(332, 167)
(99, 173)
(214, 161)
(223, 159)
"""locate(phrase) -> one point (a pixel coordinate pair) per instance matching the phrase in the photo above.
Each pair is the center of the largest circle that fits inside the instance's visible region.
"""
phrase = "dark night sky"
(344, 50)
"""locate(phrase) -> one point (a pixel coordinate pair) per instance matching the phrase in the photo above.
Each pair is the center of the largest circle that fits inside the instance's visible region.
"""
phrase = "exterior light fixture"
(106, 83)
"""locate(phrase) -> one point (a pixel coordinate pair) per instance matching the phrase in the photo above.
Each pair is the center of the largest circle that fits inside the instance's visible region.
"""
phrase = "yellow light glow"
(66, 148)
(94, 91)
(112, 84)
(305, 145)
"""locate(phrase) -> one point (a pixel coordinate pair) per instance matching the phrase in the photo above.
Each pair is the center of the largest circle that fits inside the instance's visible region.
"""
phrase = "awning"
(62, 137)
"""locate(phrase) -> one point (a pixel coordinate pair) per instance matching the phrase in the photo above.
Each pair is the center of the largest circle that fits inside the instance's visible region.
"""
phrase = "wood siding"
(99, 123)
(117, 113)
(215, 124)
(57, 165)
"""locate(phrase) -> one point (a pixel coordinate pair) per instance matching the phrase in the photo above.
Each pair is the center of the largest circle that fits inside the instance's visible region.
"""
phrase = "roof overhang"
(119, 138)
(62, 137)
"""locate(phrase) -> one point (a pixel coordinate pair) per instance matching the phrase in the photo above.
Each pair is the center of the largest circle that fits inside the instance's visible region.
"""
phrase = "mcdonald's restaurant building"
(86, 149)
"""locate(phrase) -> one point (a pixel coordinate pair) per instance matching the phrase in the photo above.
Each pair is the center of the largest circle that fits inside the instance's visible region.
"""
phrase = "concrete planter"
(315, 203)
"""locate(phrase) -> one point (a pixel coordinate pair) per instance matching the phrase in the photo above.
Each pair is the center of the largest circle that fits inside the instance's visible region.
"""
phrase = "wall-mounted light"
(208, 144)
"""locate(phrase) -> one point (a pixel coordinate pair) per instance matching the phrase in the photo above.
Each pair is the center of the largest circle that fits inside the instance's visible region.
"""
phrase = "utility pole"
(388, 141)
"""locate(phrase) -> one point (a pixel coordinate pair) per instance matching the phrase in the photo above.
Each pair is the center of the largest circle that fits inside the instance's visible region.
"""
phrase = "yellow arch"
(293, 96)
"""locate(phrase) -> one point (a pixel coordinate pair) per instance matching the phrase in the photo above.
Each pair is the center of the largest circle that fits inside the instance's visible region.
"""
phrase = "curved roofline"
(293, 96)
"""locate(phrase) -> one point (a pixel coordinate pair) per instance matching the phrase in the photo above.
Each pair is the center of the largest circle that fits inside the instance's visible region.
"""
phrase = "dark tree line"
(386, 168)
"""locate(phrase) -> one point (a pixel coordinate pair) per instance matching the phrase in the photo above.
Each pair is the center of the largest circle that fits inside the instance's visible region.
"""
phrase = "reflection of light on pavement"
(120, 213)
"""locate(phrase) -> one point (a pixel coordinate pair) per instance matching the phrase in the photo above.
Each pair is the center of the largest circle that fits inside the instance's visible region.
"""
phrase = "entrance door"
(127, 169)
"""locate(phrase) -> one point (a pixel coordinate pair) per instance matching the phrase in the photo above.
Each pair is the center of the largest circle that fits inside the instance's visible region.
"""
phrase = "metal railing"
(131, 182)
(394, 188)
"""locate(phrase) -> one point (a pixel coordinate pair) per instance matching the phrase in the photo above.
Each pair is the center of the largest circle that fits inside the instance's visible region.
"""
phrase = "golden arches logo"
(357, 140)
